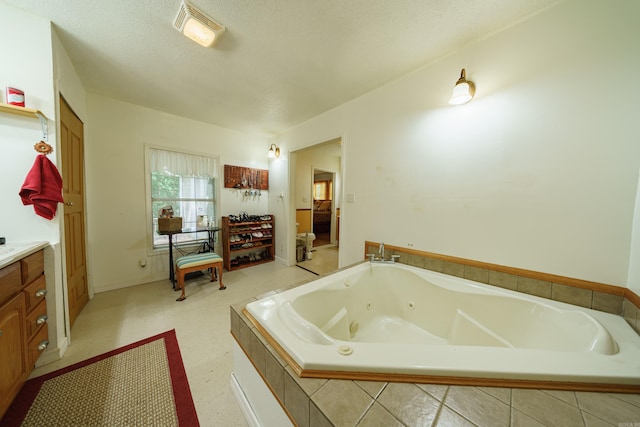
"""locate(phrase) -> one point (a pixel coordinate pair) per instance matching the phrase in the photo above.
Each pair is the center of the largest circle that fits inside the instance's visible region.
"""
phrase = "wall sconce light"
(463, 91)
(197, 26)
(274, 152)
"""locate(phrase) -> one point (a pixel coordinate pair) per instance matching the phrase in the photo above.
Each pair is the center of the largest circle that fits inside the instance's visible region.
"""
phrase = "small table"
(209, 244)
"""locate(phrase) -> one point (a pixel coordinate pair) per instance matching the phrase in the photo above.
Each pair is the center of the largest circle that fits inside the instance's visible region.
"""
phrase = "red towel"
(42, 187)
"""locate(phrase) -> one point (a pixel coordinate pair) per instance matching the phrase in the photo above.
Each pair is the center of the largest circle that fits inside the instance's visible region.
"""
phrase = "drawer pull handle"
(42, 319)
(41, 293)
(44, 344)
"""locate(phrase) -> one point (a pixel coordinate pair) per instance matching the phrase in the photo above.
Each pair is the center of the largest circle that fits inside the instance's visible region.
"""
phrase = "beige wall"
(30, 64)
(303, 219)
(119, 220)
(539, 171)
(27, 63)
(322, 156)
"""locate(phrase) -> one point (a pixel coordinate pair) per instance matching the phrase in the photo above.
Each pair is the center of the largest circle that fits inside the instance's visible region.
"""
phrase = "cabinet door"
(35, 292)
(13, 350)
(32, 267)
(10, 281)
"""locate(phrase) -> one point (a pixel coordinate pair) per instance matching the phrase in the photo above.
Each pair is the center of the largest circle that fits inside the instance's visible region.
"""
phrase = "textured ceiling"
(279, 63)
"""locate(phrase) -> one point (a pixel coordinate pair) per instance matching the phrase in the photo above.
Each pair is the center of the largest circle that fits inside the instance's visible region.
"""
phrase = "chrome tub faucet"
(381, 257)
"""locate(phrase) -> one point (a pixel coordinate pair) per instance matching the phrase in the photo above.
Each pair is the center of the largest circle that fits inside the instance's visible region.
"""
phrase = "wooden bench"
(196, 262)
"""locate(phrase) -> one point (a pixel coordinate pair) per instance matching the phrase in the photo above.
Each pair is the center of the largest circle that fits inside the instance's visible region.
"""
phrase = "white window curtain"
(182, 164)
(186, 182)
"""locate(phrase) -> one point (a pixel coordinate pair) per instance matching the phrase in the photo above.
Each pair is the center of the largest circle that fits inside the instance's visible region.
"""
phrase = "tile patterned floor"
(324, 260)
(116, 318)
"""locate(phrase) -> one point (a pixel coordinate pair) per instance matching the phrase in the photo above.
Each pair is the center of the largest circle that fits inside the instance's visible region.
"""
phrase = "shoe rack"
(248, 240)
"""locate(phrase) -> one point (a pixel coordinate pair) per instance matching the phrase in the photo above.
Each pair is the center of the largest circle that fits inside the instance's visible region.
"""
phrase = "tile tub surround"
(401, 323)
(318, 402)
(321, 402)
(597, 296)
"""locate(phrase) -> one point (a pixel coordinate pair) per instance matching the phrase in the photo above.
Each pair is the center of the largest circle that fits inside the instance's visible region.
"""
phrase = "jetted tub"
(374, 320)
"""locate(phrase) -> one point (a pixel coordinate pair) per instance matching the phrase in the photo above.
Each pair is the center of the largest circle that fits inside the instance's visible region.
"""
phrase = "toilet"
(306, 240)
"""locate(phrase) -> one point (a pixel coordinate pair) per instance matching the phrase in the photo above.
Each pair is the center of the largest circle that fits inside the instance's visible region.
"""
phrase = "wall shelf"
(21, 111)
(29, 112)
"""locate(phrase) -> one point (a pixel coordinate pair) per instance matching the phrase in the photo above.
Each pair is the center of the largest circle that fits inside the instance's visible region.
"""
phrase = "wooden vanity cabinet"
(10, 281)
(14, 368)
(23, 323)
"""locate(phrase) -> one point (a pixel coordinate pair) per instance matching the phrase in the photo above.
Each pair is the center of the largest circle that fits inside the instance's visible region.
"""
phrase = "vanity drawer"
(10, 281)
(38, 344)
(32, 267)
(36, 292)
(36, 318)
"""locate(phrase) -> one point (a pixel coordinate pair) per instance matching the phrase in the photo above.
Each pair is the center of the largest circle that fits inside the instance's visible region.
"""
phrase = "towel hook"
(43, 148)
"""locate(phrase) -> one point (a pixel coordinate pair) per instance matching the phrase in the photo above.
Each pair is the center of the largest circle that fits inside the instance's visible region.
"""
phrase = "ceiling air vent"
(196, 25)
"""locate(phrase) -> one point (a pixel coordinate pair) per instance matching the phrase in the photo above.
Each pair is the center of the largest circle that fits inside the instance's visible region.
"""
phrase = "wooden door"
(72, 150)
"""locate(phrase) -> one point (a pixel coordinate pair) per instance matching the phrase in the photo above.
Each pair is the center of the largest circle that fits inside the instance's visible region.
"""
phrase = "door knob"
(68, 203)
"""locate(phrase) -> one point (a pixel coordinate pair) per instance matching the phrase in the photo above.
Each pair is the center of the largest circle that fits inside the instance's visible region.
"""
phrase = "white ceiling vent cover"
(196, 25)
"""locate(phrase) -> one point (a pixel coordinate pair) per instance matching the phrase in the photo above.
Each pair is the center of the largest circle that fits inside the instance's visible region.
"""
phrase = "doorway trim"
(294, 197)
(332, 225)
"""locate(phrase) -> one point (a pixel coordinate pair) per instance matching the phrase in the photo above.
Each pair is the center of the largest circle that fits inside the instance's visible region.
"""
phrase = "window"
(322, 190)
(186, 182)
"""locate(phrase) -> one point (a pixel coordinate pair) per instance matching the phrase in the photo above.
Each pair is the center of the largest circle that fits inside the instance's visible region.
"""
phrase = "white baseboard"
(258, 404)
(245, 406)
(54, 354)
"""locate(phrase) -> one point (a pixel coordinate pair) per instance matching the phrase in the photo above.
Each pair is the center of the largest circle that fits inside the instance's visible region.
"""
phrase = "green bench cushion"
(196, 260)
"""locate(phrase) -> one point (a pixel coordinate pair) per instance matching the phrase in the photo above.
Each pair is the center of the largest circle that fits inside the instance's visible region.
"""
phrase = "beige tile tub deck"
(329, 402)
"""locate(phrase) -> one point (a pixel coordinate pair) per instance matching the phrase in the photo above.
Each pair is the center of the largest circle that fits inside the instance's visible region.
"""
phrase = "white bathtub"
(396, 319)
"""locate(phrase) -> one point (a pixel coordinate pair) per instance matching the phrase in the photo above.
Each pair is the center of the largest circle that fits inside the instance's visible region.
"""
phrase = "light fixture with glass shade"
(197, 26)
(463, 91)
(274, 152)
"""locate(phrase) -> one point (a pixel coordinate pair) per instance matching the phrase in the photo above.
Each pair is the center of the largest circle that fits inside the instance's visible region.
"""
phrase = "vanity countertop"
(12, 252)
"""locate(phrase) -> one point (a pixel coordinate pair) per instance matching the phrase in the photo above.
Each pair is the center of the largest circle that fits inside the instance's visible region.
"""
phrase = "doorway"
(315, 178)
(323, 207)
